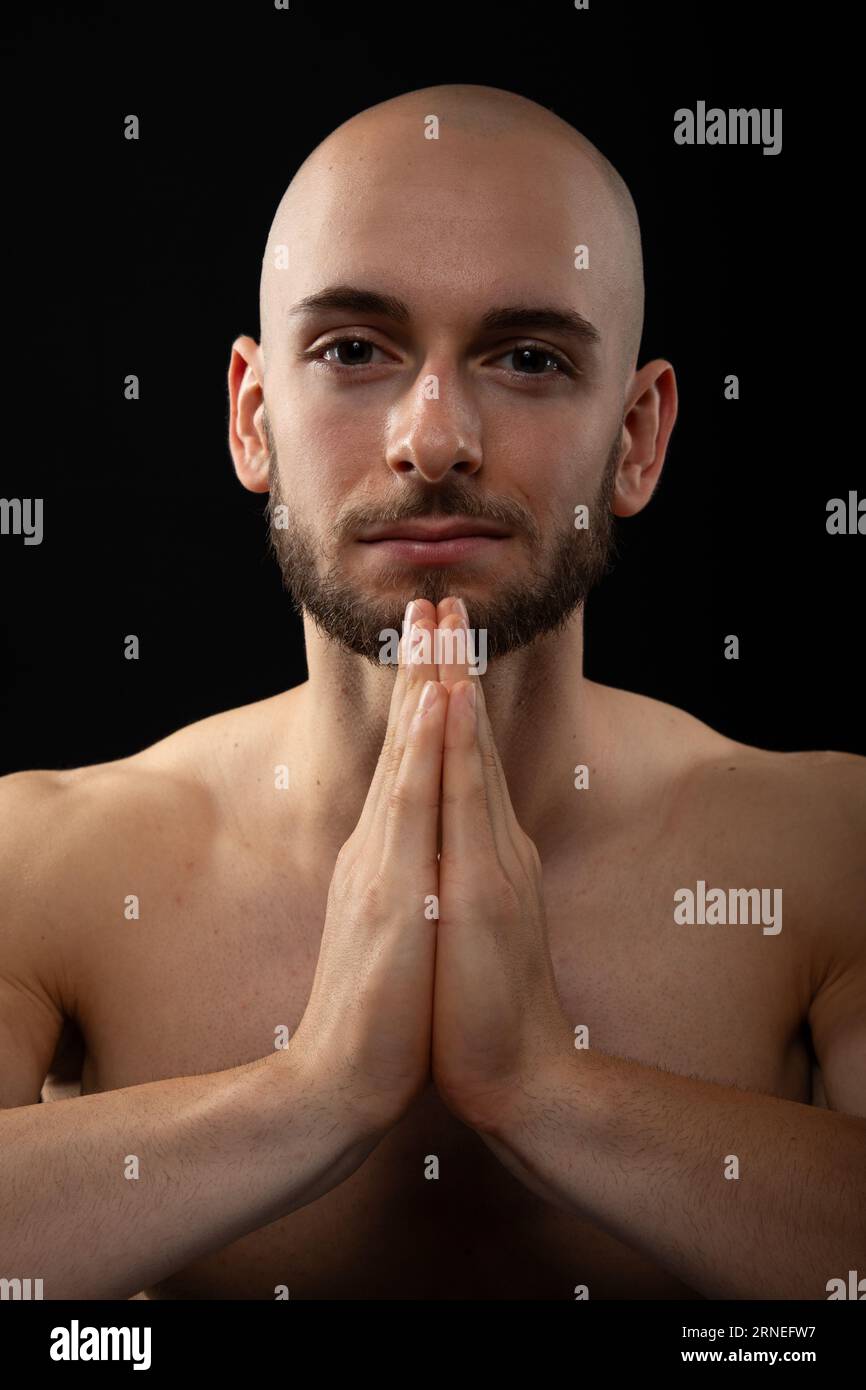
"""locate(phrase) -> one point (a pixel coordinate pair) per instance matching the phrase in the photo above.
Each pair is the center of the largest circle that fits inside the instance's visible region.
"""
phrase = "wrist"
(568, 1085)
(333, 1093)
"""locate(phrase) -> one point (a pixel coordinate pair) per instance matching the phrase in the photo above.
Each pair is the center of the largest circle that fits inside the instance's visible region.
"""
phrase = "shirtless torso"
(232, 899)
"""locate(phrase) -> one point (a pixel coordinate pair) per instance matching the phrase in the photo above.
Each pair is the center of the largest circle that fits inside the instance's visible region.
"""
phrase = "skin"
(560, 1167)
(477, 426)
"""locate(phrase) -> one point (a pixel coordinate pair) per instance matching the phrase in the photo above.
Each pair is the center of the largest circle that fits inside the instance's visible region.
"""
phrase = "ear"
(247, 440)
(651, 409)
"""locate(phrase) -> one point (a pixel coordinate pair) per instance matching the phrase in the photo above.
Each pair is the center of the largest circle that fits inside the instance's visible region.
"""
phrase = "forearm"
(217, 1157)
(643, 1153)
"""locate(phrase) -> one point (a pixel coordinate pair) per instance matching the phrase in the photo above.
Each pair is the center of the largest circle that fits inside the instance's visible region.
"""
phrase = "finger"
(417, 611)
(399, 689)
(451, 605)
(420, 608)
(467, 814)
(454, 651)
(416, 667)
(417, 654)
(412, 807)
(504, 818)
(493, 763)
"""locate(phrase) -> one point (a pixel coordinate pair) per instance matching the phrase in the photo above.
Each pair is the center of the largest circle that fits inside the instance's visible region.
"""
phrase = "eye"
(347, 352)
(530, 359)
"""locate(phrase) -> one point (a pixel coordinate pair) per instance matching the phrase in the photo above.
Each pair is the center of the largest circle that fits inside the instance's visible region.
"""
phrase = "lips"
(435, 547)
(433, 531)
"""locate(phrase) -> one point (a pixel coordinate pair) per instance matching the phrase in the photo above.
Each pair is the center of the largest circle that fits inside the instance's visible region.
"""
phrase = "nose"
(434, 429)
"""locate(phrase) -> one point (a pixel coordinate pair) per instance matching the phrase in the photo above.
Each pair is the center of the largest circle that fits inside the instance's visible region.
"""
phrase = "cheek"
(323, 451)
(549, 461)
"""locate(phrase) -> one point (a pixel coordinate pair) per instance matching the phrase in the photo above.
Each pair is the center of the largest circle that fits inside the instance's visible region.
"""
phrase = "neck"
(544, 715)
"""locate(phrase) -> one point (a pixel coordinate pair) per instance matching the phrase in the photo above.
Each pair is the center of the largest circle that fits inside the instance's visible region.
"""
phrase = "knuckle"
(474, 796)
(352, 845)
(532, 852)
(505, 898)
(346, 851)
(387, 747)
(393, 756)
(489, 763)
(344, 862)
(373, 898)
(398, 799)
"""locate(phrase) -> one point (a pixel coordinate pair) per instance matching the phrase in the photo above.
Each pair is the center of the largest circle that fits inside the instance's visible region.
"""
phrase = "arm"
(69, 1213)
(637, 1150)
(220, 1155)
(225, 1153)
(643, 1153)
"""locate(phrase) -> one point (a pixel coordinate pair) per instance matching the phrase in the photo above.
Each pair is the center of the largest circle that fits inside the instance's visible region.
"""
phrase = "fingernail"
(410, 613)
(428, 697)
(464, 612)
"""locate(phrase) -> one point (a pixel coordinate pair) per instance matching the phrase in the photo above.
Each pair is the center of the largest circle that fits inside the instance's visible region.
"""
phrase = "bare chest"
(217, 972)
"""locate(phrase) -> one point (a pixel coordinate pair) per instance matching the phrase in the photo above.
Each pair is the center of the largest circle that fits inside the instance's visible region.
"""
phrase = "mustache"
(443, 503)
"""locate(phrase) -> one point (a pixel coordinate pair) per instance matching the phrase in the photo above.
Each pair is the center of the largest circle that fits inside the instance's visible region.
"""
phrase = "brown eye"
(535, 359)
(532, 360)
(350, 352)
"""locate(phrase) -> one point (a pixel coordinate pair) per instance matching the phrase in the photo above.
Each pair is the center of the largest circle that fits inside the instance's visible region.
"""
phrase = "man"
(512, 996)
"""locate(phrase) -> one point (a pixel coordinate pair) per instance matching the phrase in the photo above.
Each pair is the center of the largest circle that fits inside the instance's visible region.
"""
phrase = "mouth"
(432, 544)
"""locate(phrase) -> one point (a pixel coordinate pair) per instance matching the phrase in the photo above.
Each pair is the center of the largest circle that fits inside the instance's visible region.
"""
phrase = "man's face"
(374, 421)
(558, 573)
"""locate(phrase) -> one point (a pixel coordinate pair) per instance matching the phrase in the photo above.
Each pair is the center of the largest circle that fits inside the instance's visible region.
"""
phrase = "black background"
(144, 257)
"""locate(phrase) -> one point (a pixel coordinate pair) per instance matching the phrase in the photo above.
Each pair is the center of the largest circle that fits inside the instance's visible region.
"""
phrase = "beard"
(561, 573)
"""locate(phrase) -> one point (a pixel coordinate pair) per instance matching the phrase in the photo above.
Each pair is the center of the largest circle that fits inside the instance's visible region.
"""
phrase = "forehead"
(451, 225)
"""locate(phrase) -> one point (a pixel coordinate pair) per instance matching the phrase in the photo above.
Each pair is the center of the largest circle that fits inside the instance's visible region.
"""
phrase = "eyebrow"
(510, 316)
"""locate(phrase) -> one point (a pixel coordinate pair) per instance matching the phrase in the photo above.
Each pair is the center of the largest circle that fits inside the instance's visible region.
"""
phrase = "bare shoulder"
(799, 816)
(818, 789)
(805, 811)
(807, 808)
(73, 842)
(183, 768)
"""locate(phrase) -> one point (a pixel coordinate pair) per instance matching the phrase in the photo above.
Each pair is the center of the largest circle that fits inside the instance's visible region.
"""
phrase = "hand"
(497, 1018)
(368, 1022)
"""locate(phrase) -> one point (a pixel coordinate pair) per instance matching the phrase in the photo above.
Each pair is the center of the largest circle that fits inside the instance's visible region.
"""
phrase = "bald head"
(470, 158)
(451, 308)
